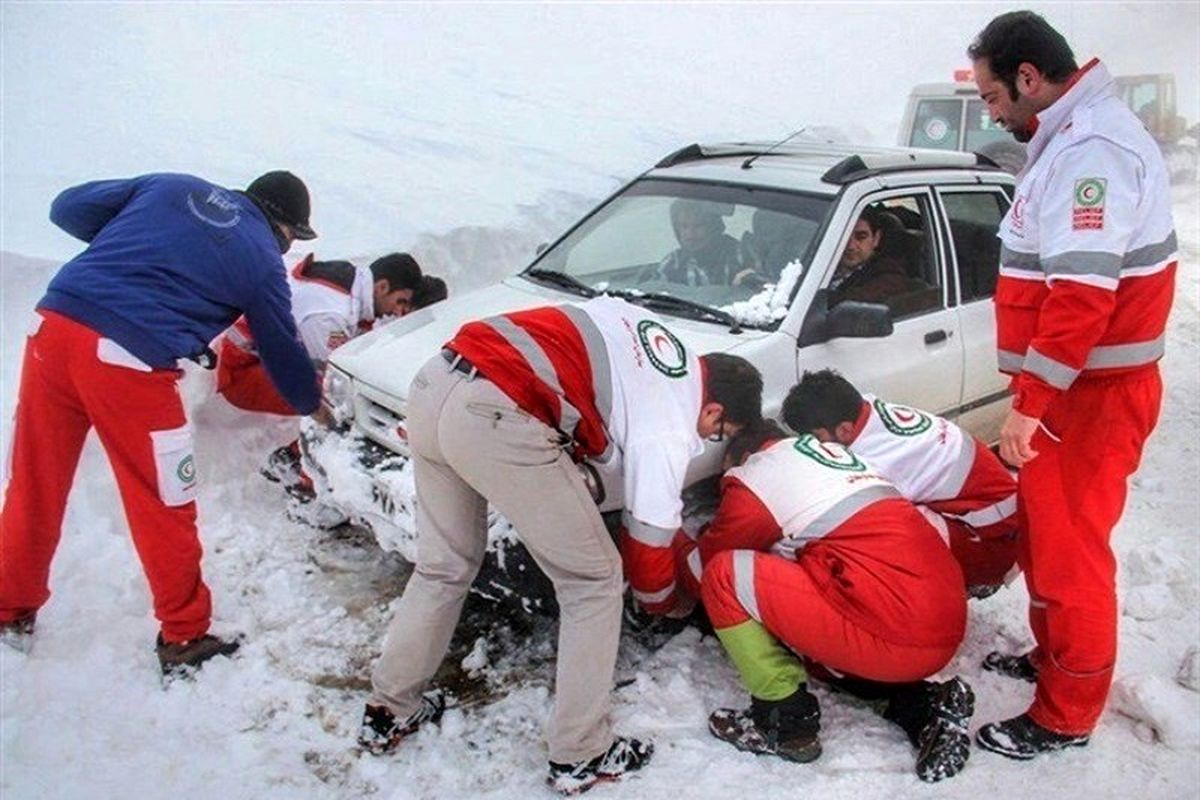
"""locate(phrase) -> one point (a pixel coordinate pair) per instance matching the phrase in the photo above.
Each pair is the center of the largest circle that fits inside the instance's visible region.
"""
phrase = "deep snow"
(456, 133)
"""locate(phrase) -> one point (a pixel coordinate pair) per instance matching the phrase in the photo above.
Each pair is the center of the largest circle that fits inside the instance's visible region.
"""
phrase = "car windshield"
(730, 254)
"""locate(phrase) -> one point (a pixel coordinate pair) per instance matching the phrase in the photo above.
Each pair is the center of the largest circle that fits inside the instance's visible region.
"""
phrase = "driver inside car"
(706, 253)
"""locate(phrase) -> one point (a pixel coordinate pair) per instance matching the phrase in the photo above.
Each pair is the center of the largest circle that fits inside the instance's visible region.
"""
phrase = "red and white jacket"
(934, 463)
(874, 555)
(611, 377)
(332, 302)
(1089, 249)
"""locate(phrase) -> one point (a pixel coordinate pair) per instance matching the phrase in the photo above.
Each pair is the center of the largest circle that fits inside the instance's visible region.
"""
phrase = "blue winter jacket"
(171, 262)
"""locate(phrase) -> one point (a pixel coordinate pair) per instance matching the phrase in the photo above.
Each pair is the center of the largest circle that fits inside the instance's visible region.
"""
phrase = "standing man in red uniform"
(1086, 282)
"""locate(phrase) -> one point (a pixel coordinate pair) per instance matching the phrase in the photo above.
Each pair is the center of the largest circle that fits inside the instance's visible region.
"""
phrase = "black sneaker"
(381, 733)
(283, 465)
(943, 744)
(1022, 738)
(624, 755)
(786, 728)
(181, 659)
(1020, 667)
(18, 634)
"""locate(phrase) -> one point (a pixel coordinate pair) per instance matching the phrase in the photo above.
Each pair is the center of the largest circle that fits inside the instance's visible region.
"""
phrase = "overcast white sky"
(419, 118)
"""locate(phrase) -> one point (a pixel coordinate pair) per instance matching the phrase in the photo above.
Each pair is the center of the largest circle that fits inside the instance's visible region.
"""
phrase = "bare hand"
(323, 416)
(1015, 436)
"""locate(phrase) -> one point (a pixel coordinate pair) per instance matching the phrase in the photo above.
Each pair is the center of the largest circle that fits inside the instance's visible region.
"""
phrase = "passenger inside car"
(881, 264)
(706, 253)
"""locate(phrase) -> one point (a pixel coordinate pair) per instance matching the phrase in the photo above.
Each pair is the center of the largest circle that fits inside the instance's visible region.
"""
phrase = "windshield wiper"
(688, 308)
(562, 280)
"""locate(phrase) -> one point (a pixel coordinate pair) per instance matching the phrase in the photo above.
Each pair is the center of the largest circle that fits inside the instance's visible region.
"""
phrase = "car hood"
(388, 357)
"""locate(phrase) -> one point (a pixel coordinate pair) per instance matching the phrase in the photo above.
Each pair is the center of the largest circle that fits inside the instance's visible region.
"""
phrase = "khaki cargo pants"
(472, 445)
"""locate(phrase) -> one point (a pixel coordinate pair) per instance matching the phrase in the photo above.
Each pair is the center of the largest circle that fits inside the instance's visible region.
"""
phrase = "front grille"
(381, 424)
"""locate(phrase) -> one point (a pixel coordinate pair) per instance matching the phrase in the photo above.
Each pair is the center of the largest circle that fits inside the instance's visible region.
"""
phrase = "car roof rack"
(857, 167)
(856, 163)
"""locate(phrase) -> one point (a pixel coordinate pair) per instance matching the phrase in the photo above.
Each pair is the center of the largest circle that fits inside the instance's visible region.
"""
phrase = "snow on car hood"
(388, 357)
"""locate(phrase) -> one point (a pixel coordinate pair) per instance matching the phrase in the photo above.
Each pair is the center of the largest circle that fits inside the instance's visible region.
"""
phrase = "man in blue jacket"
(172, 260)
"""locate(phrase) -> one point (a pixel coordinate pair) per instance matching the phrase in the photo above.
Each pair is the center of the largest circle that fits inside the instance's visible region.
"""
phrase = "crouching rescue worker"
(934, 464)
(812, 553)
(332, 302)
(171, 261)
(502, 415)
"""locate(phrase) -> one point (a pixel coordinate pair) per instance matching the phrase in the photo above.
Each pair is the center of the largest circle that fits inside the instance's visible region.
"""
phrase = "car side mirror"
(848, 319)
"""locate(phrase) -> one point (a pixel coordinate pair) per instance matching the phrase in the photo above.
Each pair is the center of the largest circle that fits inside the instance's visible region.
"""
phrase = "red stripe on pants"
(794, 610)
(1071, 495)
(65, 391)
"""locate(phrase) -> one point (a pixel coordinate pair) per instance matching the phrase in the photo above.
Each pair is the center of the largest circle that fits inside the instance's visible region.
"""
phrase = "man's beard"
(1022, 135)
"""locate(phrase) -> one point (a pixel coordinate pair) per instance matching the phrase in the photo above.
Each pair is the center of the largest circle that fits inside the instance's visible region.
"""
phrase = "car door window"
(974, 218)
(889, 257)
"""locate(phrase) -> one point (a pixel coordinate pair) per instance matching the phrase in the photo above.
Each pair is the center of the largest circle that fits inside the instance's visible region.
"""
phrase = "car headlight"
(337, 393)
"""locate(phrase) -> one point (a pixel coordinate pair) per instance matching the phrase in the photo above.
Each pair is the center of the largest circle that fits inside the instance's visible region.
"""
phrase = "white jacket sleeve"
(321, 333)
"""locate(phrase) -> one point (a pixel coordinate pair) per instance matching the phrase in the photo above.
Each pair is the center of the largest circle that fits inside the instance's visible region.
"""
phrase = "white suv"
(783, 216)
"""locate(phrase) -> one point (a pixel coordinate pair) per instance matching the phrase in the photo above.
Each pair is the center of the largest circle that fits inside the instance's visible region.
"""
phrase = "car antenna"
(746, 164)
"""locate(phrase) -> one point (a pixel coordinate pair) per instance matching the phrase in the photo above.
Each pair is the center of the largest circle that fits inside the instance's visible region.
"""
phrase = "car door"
(920, 363)
(972, 215)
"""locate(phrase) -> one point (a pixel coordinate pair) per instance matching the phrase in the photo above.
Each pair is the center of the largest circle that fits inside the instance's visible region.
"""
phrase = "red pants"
(1071, 495)
(784, 596)
(243, 381)
(984, 561)
(72, 380)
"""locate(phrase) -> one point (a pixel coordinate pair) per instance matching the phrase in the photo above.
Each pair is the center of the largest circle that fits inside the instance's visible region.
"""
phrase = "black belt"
(458, 363)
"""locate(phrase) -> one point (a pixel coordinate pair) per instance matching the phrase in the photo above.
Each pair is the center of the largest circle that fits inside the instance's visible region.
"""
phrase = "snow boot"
(283, 465)
(18, 634)
(786, 728)
(1020, 667)
(624, 755)
(181, 659)
(381, 732)
(1022, 738)
(943, 745)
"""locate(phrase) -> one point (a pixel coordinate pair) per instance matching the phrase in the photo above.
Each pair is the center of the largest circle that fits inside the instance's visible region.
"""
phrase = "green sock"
(768, 669)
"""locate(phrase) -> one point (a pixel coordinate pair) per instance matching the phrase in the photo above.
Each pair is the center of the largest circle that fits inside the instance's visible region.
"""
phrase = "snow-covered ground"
(456, 133)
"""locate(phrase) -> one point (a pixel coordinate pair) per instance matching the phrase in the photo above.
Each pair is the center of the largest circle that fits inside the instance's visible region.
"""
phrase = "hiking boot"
(283, 465)
(786, 728)
(943, 745)
(18, 634)
(624, 755)
(381, 733)
(1020, 667)
(181, 659)
(1022, 738)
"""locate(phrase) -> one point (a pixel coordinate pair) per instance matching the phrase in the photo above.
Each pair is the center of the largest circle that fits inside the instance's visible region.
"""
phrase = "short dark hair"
(821, 399)
(736, 384)
(1018, 37)
(400, 270)
(872, 215)
(751, 439)
(432, 290)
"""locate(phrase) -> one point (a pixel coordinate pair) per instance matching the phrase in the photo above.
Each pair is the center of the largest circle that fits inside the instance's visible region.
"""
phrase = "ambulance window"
(936, 124)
